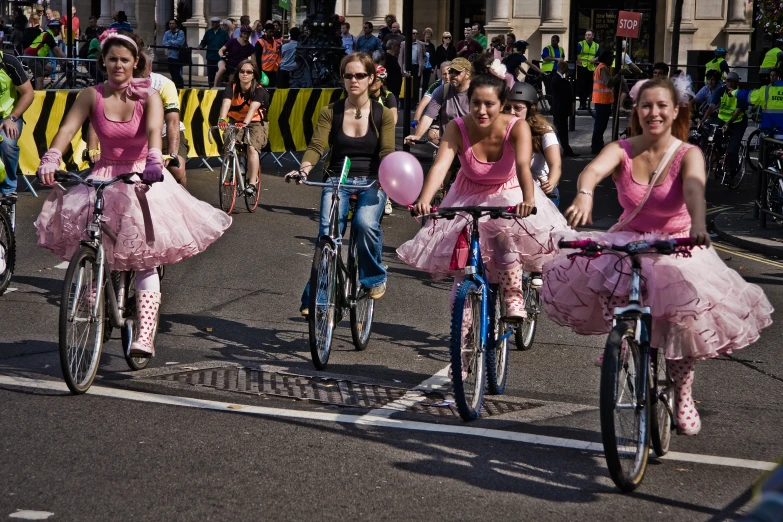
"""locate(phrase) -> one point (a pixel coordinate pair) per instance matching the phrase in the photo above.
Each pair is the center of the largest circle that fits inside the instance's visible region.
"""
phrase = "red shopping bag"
(459, 257)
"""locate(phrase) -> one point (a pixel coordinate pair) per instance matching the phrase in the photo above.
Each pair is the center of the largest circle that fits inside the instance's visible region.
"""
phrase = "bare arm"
(522, 142)
(694, 180)
(449, 147)
(73, 120)
(26, 97)
(153, 110)
(394, 113)
(581, 210)
(254, 106)
(172, 131)
(421, 128)
(554, 162)
(425, 100)
(58, 52)
(221, 52)
(224, 108)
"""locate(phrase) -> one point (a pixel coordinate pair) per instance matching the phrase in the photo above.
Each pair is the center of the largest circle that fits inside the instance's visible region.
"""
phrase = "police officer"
(773, 58)
(718, 64)
(770, 99)
(586, 59)
(732, 105)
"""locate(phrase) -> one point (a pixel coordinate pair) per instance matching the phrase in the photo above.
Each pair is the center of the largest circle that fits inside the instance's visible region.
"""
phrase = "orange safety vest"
(602, 93)
(270, 55)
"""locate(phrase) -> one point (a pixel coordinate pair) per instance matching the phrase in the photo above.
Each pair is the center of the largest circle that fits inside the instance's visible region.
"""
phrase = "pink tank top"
(483, 173)
(121, 141)
(665, 209)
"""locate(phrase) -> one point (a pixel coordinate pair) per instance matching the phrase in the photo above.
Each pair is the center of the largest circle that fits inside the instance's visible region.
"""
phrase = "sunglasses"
(358, 76)
(245, 71)
(447, 37)
(455, 72)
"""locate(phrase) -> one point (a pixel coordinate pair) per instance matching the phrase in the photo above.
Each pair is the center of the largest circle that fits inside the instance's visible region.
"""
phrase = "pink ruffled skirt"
(183, 225)
(701, 308)
(505, 243)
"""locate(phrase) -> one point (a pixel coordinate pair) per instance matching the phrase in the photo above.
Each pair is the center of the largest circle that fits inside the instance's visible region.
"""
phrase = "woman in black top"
(429, 47)
(445, 52)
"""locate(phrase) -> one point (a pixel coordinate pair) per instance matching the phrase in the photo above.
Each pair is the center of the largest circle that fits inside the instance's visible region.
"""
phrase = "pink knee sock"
(682, 372)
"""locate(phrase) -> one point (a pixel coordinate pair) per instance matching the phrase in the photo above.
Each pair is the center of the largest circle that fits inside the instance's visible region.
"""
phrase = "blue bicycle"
(480, 354)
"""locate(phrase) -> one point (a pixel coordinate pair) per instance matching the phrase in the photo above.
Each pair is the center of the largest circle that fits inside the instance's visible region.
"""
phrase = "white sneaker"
(536, 280)
(388, 209)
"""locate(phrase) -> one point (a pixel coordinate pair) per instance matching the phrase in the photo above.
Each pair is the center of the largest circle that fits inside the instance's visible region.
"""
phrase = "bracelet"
(93, 152)
(586, 192)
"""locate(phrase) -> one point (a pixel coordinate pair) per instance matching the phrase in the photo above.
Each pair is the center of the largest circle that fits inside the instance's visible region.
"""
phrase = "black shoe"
(11, 196)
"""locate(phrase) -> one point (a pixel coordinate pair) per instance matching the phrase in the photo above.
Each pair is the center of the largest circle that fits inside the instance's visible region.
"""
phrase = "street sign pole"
(407, 22)
(628, 25)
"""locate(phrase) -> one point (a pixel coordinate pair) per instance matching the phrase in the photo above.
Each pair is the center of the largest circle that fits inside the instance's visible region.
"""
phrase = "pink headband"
(112, 33)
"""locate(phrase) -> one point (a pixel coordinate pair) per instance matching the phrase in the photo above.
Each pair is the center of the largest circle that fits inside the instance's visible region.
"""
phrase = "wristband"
(586, 192)
(93, 152)
(52, 156)
(223, 120)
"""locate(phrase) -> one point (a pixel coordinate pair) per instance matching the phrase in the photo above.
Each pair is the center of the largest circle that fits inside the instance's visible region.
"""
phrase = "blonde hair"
(445, 34)
(538, 127)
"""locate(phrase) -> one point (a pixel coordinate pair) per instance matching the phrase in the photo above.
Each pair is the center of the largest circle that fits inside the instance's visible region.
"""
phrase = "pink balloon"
(401, 177)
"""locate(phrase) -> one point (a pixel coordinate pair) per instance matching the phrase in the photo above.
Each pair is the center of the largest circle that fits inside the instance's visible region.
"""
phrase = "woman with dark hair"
(495, 153)
(362, 130)
(127, 116)
(701, 308)
(245, 103)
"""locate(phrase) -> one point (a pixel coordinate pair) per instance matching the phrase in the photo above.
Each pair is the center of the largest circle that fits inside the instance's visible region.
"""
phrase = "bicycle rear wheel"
(322, 318)
(661, 404)
(363, 309)
(753, 151)
(735, 182)
(228, 183)
(497, 353)
(251, 202)
(624, 416)
(526, 330)
(81, 335)
(8, 244)
(468, 353)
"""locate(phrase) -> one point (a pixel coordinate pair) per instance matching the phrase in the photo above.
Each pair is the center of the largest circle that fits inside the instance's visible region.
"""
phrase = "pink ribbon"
(138, 88)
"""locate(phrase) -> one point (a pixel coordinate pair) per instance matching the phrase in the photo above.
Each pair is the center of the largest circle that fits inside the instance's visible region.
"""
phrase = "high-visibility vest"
(771, 59)
(588, 52)
(770, 99)
(38, 47)
(270, 55)
(8, 93)
(714, 65)
(602, 93)
(550, 66)
(728, 104)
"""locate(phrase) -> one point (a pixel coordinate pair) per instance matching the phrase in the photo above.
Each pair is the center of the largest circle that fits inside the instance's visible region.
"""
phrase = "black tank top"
(363, 151)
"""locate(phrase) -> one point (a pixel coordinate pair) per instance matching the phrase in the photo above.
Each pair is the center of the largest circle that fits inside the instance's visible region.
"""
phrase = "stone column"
(195, 27)
(552, 23)
(105, 20)
(235, 10)
(146, 30)
(738, 36)
(498, 18)
(687, 29)
(380, 8)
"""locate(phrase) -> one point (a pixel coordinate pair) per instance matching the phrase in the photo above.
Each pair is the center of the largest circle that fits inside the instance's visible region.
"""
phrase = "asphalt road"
(149, 446)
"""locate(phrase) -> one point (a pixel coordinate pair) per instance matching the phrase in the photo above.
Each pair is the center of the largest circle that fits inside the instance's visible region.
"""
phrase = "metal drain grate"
(259, 382)
(490, 408)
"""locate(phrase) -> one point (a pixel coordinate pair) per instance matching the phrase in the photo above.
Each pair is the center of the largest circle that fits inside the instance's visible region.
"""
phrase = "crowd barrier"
(293, 116)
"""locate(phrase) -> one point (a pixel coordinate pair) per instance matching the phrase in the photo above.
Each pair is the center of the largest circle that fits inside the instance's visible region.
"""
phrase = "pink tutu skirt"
(183, 225)
(528, 239)
(701, 308)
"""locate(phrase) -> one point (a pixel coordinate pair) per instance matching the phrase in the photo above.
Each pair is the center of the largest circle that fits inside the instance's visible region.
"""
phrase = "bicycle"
(7, 239)
(537, 81)
(711, 151)
(525, 330)
(335, 287)
(753, 151)
(485, 358)
(90, 307)
(775, 185)
(233, 172)
(637, 392)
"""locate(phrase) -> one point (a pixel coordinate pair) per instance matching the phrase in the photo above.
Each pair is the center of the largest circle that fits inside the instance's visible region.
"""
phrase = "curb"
(754, 244)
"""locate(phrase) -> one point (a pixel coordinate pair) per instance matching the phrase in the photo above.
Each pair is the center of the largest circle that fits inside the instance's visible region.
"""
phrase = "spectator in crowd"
(174, 40)
(91, 31)
(477, 33)
(562, 105)
(258, 32)
(496, 48)
(268, 53)
(393, 69)
(367, 42)
(47, 17)
(514, 61)
(660, 70)
(551, 54)
(214, 38)
(444, 53)
(243, 20)
(349, 40)
(45, 43)
(74, 29)
(278, 29)
(587, 52)
(395, 34)
(385, 31)
(32, 32)
(121, 23)
(228, 26)
(469, 48)
(288, 60)
(16, 99)
(510, 39)
(429, 57)
(19, 25)
(235, 51)
(418, 60)
(603, 98)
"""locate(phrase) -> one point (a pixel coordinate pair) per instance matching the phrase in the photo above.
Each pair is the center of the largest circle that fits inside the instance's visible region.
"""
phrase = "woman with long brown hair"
(700, 307)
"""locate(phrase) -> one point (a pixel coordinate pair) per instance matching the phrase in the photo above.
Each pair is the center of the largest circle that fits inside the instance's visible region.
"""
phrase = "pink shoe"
(147, 306)
(682, 372)
(511, 283)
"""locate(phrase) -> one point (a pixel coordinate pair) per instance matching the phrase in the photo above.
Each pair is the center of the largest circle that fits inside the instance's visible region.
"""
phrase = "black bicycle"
(334, 285)
(7, 240)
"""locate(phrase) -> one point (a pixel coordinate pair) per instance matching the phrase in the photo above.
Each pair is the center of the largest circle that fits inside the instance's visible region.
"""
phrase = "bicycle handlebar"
(62, 176)
(663, 246)
(476, 211)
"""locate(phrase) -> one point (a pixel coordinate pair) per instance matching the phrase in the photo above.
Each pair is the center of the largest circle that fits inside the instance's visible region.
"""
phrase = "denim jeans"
(175, 69)
(603, 112)
(554, 196)
(369, 236)
(9, 150)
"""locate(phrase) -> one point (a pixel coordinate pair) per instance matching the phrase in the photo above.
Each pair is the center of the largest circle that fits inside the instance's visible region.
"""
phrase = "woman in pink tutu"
(127, 116)
(701, 308)
(495, 151)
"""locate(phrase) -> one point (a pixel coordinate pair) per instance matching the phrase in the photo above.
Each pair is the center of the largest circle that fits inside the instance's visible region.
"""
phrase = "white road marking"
(26, 514)
(365, 420)
(9, 290)
(438, 381)
(63, 265)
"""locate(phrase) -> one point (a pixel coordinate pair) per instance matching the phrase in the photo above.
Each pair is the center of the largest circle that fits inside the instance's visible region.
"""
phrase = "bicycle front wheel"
(661, 404)
(624, 414)
(753, 151)
(735, 182)
(526, 330)
(228, 183)
(81, 333)
(497, 352)
(322, 318)
(468, 353)
(8, 247)
(363, 308)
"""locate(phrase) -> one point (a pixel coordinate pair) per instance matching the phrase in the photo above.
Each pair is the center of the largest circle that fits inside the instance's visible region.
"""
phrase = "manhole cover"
(259, 382)
(490, 408)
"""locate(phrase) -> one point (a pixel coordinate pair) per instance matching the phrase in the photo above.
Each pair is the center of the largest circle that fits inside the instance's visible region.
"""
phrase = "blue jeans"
(554, 196)
(603, 112)
(367, 222)
(9, 150)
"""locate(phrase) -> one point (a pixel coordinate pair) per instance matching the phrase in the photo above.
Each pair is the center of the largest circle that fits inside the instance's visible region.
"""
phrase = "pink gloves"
(50, 163)
(153, 170)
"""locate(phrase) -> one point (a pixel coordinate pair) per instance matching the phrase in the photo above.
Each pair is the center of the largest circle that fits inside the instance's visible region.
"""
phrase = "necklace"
(649, 161)
(358, 114)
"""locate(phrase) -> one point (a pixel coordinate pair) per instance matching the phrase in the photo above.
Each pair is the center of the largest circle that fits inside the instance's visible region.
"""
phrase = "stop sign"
(628, 24)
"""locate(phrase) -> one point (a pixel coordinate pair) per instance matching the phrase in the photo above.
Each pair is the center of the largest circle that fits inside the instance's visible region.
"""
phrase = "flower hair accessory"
(108, 34)
(683, 83)
(498, 69)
